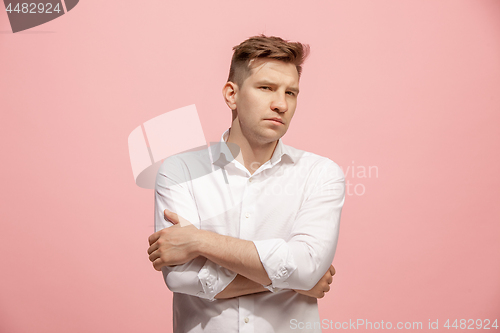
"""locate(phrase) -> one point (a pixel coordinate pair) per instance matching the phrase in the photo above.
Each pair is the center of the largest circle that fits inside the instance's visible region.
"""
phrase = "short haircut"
(265, 47)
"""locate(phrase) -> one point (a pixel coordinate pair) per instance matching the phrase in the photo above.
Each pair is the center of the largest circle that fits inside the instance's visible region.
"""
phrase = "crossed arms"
(180, 244)
(188, 255)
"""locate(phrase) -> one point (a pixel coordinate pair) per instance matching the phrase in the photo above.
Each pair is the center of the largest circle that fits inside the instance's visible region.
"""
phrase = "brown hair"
(265, 47)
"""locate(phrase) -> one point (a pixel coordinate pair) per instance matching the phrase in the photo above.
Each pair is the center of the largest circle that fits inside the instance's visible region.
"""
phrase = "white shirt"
(289, 207)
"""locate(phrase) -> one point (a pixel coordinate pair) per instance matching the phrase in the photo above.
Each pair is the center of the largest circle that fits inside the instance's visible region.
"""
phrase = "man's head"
(262, 88)
(263, 47)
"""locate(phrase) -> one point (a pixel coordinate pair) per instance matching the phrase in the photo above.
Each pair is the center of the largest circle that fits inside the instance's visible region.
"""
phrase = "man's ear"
(229, 92)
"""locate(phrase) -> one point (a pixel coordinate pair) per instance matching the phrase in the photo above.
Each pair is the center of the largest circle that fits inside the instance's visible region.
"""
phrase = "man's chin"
(273, 137)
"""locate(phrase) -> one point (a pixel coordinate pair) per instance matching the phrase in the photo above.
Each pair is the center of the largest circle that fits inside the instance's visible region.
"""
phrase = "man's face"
(266, 101)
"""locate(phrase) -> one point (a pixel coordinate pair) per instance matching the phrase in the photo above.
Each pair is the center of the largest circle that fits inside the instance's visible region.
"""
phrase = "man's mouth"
(277, 120)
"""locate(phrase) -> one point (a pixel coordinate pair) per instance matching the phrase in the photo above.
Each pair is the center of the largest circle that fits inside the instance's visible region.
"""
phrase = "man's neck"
(251, 154)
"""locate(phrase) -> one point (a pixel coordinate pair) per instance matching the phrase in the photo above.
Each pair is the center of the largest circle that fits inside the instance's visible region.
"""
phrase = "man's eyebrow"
(271, 83)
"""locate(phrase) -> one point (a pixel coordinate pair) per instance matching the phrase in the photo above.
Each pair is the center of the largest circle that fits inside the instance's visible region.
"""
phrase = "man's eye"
(265, 88)
(291, 93)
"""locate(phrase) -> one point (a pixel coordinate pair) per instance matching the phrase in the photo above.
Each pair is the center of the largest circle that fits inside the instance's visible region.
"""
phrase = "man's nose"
(279, 103)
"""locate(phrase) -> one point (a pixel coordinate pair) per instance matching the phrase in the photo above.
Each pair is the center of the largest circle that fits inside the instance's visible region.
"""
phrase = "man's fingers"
(153, 256)
(170, 216)
(157, 264)
(175, 219)
(332, 270)
(153, 238)
(153, 248)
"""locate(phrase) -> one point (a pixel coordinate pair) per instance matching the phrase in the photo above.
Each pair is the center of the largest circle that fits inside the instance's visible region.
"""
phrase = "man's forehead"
(265, 67)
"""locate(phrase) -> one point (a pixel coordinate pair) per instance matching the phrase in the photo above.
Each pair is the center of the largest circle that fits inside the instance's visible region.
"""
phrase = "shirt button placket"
(246, 309)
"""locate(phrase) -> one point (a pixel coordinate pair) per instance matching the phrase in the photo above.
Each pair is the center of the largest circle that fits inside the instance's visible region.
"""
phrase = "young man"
(248, 227)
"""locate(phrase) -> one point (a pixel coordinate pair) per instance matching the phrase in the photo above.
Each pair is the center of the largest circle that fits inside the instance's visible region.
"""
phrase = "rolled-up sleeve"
(301, 261)
(199, 277)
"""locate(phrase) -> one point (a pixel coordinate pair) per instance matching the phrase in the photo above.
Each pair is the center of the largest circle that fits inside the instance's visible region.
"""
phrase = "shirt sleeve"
(199, 277)
(301, 261)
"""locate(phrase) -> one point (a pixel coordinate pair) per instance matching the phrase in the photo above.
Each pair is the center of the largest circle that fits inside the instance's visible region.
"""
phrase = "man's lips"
(278, 120)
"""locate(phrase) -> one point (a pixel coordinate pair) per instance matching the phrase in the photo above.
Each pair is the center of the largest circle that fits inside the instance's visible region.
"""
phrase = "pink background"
(411, 88)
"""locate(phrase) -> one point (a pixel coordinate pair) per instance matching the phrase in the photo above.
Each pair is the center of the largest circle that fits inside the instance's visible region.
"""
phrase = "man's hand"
(175, 245)
(322, 287)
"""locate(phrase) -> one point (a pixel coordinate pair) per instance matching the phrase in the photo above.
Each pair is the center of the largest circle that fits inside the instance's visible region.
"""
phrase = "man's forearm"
(177, 245)
(241, 286)
(238, 255)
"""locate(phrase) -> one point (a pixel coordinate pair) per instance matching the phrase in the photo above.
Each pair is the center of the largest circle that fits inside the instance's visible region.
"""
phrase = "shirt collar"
(221, 152)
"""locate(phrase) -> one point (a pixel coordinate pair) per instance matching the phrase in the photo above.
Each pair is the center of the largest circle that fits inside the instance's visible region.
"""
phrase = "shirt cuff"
(214, 279)
(277, 259)
(272, 289)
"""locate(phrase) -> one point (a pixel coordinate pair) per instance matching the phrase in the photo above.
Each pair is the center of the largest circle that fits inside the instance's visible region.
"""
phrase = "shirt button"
(250, 180)
(247, 320)
(247, 215)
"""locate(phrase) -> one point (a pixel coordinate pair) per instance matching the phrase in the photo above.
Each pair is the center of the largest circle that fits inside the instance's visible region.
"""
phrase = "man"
(248, 228)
